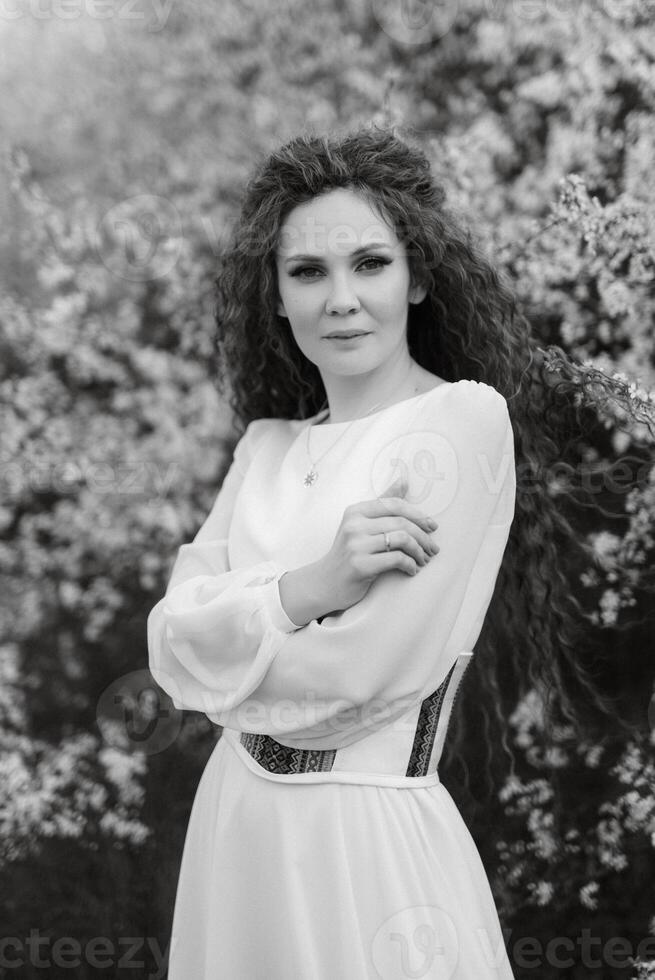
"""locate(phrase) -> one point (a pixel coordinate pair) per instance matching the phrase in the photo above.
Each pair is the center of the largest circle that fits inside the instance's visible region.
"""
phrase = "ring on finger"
(387, 543)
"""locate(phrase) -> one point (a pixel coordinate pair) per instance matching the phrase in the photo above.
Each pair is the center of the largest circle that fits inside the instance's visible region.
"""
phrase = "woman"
(329, 605)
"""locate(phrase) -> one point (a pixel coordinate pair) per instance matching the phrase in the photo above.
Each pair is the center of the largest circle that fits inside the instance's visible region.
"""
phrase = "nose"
(341, 296)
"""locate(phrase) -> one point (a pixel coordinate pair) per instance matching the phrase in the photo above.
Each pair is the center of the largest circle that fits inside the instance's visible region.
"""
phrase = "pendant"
(310, 478)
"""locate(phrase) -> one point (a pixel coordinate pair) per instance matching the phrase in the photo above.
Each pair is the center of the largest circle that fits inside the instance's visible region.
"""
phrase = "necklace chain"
(312, 475)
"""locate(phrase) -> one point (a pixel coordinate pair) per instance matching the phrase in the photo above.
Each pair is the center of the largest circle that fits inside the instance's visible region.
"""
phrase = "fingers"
(397, 506)
(403, 535)
(388, 560)
(410, 543)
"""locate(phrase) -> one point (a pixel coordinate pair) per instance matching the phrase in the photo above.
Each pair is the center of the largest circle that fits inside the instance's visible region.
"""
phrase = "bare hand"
(359, 553)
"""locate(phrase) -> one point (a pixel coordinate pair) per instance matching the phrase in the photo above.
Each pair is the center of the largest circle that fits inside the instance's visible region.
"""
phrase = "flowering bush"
(574, 849)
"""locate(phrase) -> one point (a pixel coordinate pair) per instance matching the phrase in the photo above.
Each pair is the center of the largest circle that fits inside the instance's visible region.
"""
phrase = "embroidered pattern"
(433, 720)
(282, 758)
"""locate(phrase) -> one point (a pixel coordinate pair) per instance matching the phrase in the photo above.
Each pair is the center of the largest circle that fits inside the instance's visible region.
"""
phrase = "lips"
(346, 336)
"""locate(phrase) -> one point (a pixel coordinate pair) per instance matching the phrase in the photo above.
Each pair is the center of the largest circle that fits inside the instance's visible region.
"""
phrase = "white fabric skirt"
(331, 881)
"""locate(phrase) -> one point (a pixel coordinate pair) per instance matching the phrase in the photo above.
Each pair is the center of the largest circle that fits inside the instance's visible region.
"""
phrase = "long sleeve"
(238, 610)
(326, 684)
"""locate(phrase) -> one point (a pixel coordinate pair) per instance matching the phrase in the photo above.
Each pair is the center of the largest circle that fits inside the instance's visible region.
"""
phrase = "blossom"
(588, 895)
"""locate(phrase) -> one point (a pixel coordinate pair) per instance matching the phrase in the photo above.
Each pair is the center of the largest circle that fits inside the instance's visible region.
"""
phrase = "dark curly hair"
(467, 327)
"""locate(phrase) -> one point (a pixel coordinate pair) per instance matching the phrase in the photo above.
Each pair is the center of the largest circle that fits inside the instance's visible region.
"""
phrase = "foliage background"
(126, 139)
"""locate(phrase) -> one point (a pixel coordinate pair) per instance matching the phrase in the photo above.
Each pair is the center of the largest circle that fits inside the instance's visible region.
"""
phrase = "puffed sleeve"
(327, 684)
(207, 605)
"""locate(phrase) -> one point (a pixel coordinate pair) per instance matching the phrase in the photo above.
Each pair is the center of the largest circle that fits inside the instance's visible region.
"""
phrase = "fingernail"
(432, 523)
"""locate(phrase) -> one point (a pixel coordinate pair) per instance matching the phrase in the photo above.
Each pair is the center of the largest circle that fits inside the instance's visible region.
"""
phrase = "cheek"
(391, 297)
(302, 305)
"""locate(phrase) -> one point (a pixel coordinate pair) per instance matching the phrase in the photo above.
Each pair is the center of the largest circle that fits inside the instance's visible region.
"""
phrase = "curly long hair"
(467, 327)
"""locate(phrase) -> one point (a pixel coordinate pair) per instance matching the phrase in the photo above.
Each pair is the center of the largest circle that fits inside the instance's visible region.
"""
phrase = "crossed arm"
(221, 642)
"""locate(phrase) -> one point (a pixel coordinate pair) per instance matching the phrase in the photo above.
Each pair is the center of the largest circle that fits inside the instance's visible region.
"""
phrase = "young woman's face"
(340, 267)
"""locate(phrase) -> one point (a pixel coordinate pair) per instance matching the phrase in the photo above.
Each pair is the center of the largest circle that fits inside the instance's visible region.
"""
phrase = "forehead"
(333, 223)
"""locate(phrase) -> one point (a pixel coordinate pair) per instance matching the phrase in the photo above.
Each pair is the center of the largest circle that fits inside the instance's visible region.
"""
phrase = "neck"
(355, 396)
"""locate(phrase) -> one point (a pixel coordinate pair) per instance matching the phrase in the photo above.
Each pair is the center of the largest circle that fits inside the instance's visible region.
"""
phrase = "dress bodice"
(364, 694)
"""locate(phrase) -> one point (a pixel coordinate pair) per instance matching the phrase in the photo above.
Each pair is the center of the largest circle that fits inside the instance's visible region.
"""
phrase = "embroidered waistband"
(427, 744)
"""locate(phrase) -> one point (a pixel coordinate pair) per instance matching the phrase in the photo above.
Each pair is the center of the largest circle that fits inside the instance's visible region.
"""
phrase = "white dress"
(322, 844)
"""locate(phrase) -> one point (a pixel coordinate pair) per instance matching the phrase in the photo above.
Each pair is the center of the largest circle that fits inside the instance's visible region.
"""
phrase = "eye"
(377, 260)
(301, 270)
(369, 265)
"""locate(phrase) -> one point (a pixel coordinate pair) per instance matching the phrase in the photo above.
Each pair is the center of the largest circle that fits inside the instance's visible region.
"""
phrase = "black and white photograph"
(327, 490)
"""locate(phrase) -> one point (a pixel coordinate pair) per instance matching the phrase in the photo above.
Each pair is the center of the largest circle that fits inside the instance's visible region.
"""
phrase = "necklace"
(312, 474)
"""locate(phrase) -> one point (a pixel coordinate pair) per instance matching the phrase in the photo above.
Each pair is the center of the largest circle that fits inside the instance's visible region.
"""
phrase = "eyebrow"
(358, 251)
